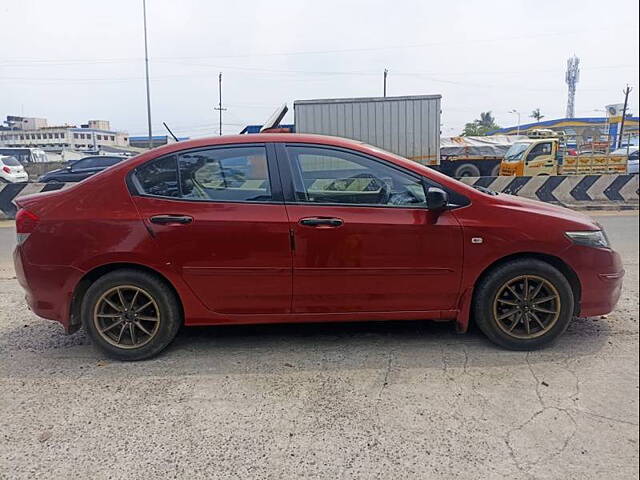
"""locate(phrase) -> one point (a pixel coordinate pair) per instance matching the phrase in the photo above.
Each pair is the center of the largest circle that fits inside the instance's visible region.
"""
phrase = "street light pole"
(518, 114)
(146, 68)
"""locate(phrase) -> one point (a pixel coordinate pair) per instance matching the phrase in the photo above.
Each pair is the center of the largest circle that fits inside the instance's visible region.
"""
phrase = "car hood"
(579, 220)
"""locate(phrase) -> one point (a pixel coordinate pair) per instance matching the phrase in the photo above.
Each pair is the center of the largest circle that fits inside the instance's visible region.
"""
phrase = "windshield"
(515, 153)
(10, 161)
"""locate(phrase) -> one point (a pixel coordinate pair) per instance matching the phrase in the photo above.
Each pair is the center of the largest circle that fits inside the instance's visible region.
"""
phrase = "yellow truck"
(545, 153)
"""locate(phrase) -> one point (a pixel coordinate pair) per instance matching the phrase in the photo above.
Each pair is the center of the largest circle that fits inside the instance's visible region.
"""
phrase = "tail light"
(6, 169)
(26, 222)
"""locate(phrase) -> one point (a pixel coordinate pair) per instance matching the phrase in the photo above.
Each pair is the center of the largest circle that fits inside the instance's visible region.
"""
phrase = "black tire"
(168, 308)
(494, 282)
(495, 171)
(467, 170)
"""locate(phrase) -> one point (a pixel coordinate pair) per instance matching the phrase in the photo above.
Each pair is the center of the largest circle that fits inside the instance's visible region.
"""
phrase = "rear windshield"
(10, 161)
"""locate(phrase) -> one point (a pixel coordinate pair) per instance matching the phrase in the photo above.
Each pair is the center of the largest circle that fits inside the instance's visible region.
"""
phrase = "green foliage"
(480, 126)
(537, 115)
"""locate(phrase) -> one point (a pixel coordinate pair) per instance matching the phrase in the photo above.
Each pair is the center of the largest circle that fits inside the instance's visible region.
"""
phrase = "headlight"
(592, 238)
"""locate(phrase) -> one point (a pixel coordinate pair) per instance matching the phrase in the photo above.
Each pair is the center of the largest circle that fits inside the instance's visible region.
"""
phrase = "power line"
(321, 52)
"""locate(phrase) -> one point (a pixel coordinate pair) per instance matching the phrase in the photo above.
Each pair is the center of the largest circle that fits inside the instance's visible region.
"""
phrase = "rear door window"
(225, 174)
(159, 177)
(237, 174)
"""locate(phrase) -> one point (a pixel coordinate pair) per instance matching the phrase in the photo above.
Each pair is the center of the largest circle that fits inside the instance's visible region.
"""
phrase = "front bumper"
(601, 277)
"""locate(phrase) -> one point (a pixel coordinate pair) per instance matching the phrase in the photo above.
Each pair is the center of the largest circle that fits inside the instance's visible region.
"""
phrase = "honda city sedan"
(285, 228)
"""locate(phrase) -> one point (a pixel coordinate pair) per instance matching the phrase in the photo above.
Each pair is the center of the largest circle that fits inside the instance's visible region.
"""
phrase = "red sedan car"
(301, 228)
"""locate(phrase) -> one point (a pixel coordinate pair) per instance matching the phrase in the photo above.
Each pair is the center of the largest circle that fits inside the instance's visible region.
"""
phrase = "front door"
(364, 240)
(218, 218)
(541, 160)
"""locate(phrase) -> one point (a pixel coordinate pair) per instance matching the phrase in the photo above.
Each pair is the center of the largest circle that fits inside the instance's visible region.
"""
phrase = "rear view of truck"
(407, 126)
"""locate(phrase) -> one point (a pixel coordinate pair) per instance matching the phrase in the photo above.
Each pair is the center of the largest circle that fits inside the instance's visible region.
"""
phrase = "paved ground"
(394, 400)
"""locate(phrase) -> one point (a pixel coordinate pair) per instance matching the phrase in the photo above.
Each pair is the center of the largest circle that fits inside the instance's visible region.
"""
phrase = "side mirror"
(437, 199)
(68, 169)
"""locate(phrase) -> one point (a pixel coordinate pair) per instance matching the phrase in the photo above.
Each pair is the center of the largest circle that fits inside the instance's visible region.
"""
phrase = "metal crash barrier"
(621, 190)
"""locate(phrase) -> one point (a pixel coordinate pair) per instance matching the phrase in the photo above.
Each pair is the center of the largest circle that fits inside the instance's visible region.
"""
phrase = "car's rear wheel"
(524, 304)
(130, 314)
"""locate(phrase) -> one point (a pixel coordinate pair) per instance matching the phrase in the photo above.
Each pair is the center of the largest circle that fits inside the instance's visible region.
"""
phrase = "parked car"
(633, 152)
(80, 169)
(302, 228)
(12, 171)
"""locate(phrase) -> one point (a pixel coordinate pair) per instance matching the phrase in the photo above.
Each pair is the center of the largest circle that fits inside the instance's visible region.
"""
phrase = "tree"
(481, 126)
(537, 115)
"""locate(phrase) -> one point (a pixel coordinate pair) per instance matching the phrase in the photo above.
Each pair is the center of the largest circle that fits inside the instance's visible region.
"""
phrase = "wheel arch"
(557, 262)
(92, 275)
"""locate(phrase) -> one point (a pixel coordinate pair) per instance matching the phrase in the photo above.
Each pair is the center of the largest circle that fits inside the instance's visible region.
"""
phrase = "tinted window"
(332, 176)
(10, 161)
(106, 161)
(89, 162)
(226, 174)
(159, 177)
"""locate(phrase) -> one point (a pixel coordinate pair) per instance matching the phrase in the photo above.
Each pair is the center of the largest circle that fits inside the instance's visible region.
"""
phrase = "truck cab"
(532, 158)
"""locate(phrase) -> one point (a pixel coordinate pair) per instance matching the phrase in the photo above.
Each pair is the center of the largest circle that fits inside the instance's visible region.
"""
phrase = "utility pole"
(219, 107)
(384, 87)
(626, 92)
(146, 68)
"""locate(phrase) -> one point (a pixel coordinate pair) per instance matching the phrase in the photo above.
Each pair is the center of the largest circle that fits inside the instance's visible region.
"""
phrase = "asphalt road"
(371, 400)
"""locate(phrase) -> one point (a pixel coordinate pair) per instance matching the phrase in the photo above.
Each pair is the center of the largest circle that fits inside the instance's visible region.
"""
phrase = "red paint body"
(254, 263)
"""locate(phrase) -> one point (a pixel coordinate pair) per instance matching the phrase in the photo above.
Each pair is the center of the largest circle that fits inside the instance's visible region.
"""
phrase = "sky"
(71, 60)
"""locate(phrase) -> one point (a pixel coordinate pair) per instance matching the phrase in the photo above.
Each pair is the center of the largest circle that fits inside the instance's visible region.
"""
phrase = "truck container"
(474, 156)
(407, 126)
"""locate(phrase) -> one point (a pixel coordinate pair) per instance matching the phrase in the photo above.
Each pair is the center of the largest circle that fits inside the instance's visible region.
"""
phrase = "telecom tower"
(572, 77)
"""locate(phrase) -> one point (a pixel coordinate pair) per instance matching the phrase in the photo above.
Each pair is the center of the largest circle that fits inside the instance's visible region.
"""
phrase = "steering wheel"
(375, 184)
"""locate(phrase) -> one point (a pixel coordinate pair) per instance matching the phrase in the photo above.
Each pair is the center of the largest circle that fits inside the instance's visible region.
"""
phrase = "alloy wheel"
(126, 316)
(526, 307)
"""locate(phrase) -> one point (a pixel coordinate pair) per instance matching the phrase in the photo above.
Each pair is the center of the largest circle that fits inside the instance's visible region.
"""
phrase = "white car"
(632, 165)
(12, 171)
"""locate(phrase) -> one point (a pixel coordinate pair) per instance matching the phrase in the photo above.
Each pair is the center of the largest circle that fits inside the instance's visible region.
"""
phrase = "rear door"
(218, 216)
(364, 240)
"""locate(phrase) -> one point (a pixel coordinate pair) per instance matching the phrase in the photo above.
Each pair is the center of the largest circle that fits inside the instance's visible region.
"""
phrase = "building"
(156, 141)
(36, 133)
(25, 123)
(583, 130)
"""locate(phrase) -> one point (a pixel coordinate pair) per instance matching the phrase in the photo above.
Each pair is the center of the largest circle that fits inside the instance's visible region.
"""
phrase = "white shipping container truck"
(408, 126)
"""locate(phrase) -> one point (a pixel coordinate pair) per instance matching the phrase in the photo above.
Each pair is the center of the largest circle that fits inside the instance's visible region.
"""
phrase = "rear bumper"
(48, 289)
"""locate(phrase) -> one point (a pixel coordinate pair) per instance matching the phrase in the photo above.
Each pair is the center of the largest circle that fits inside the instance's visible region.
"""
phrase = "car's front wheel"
(130, 314)
(523, 304)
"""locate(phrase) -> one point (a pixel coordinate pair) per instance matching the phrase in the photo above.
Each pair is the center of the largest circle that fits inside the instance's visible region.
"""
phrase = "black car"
(81, 169)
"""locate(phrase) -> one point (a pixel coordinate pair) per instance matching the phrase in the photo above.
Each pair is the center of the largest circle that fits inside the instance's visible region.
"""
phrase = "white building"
(92, 136)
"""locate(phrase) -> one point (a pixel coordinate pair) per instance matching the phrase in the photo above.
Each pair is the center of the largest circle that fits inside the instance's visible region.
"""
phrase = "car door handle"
(166, 219)
(319, 222)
